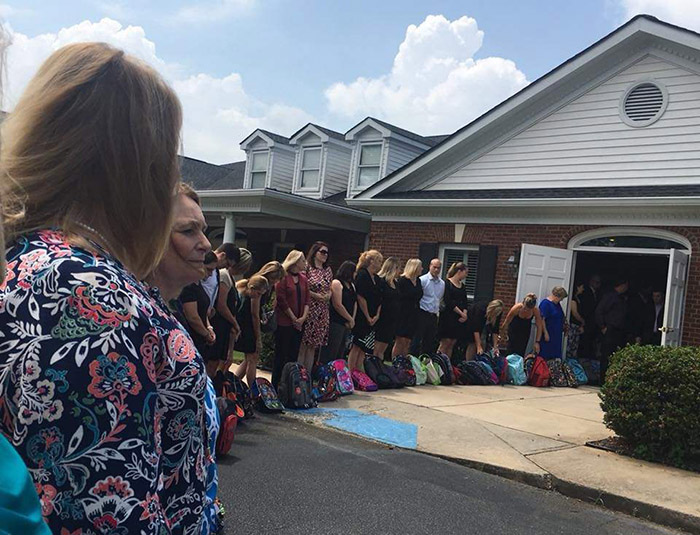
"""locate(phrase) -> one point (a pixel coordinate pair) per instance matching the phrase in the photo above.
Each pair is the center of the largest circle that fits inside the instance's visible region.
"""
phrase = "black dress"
(370, 290)
(194, 293)
(476, 323)
(246, 343)
(449, 325)
(222, 328)
(519, 335)
(409, 303)
(385, 329)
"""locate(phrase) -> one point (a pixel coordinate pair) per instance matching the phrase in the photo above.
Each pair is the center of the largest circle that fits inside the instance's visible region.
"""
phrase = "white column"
(229, 229)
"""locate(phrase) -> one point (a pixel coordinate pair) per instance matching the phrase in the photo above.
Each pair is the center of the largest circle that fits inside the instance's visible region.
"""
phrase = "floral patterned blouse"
(101, 393)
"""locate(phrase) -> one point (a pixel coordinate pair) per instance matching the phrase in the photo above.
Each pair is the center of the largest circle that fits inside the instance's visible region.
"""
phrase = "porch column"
(229, 229)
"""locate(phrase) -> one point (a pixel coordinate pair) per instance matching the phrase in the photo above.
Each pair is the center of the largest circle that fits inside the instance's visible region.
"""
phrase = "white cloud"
(218, 113)
(213, 11)
(435, 84)
(685, 13)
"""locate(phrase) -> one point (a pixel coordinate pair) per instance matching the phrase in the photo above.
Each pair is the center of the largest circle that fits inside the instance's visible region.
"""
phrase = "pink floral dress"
(317, 323)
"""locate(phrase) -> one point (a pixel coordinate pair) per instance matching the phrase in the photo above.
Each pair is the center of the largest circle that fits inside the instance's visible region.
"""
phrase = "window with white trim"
(368, 166)
(469, 254)
(310, 167)
(258, 169)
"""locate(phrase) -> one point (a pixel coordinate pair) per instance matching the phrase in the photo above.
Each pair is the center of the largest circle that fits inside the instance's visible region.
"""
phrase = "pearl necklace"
(95, 232)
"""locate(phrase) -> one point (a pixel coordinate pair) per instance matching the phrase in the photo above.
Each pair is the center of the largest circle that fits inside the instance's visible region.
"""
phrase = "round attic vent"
(643, 103)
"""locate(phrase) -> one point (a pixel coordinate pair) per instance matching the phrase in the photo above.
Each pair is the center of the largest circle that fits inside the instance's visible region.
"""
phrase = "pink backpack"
(363, 382)
(343, 378)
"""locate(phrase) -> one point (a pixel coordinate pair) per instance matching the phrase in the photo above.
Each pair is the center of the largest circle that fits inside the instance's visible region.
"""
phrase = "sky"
(238, 65)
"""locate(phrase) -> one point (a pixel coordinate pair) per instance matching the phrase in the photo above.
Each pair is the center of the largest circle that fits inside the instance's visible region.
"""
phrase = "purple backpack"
(343, 378)
(363, 382)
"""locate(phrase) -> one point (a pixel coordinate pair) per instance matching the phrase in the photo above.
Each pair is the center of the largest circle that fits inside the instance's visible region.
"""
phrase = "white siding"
(369, 134)
(281, 169)
(336, 169)
(258, 144)
(399, 154)
(586, 144)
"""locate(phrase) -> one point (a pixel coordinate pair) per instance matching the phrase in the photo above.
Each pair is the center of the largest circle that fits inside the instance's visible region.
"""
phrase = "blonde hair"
(454, 268)
(272, 270)
(413, 268)
(4, 43)
(368, 257)
(390, 269)
(493, 310)
(292, 258)
(560, 292)
(94, 141)
(256, 282)
(244, 262)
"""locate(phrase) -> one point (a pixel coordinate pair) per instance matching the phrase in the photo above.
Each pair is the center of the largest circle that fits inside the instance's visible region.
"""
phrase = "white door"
(541, 269)
(671, 330)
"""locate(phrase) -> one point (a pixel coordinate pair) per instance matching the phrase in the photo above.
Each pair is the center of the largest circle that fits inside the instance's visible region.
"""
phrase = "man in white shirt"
(424, 341)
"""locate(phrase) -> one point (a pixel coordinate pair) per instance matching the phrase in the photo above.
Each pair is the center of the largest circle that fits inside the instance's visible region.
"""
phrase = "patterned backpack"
(578, 371)
(556, 373)
(419, 370)
(295, 387)
(268, 400)
(344, 384)
(326, 385)
(229, 421)
(363, 382)
(403, 363)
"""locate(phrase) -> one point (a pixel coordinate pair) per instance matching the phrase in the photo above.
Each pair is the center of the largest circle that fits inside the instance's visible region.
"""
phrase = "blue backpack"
(579, 372)
(516, 370)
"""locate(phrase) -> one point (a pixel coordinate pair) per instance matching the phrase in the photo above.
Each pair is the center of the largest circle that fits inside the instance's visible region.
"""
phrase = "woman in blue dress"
(554, 324)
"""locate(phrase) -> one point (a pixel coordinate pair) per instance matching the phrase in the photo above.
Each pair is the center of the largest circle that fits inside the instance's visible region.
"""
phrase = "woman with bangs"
(385, 328)
(89, 172)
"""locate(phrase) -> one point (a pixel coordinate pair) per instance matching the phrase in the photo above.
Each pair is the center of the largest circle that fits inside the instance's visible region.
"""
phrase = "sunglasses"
(323, 251)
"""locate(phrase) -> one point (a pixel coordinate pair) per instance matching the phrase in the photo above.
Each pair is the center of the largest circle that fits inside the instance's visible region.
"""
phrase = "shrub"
(267, 351)
(651, 398)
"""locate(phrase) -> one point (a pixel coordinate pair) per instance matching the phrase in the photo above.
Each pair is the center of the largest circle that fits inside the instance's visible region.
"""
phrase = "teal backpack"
(516, 370)
(420, 369)
(579, 372)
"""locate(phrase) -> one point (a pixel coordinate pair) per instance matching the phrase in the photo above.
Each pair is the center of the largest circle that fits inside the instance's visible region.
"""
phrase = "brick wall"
(403, 240)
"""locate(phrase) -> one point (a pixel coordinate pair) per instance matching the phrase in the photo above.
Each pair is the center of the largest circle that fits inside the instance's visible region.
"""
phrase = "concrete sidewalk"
(534, 435)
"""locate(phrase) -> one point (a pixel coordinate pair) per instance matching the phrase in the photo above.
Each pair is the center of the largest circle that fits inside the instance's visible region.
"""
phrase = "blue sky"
(239, 64)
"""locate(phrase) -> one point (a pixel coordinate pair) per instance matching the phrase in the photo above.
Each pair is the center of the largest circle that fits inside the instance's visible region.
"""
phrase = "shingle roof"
(202, 175)
(331, 133)
(275, 137)
(688, 190)
(431, 141)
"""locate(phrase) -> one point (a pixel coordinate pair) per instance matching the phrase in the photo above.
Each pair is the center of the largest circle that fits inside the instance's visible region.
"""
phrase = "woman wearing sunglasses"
(316, 327)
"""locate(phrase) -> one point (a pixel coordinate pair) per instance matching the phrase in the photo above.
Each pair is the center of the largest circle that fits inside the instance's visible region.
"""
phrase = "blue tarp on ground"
(369, 425)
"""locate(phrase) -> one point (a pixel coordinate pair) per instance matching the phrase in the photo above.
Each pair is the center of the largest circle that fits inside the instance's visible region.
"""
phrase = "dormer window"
(258, 169)
(368, 168)
(310, 167)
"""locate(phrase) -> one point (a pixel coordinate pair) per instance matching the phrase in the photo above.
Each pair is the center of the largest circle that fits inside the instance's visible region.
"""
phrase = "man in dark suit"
(611, 316)
(641, 316)
(588, 301)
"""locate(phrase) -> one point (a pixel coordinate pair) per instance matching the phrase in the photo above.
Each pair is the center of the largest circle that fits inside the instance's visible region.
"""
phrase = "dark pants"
(337, 339)
(287, 343)
(613, 339)
(424, 340)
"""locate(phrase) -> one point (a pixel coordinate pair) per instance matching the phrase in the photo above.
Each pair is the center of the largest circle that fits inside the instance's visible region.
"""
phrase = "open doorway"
(647, 276)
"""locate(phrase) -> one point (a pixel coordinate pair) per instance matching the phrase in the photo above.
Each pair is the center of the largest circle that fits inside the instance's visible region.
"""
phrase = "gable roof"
(544, 93)
(388, 129)
(270, 137)
(320, 130)
(208, 176)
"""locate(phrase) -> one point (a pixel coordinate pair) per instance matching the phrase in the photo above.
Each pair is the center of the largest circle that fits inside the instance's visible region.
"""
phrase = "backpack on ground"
(569, 375)
(404, 363)
(556, 373)
(229, 386)
(443, 361)
(375, 369)
(399, 377)
(343, 378)
(325, 387)
(227, 427)
(516, 370)
(497, 363)
(419, 370)
(478, 373)
(363, 382)
(268, 400)
(295, 387)
(537, 371)
(591, 367)
(433, 371)
(578, 371)
(463, 376)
